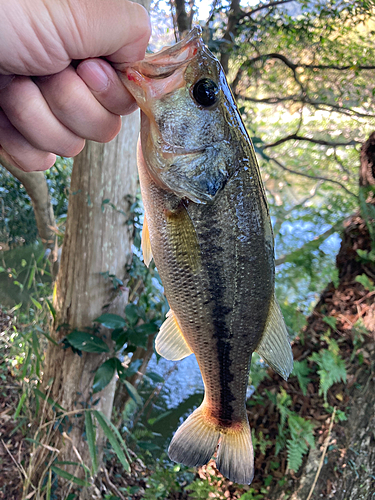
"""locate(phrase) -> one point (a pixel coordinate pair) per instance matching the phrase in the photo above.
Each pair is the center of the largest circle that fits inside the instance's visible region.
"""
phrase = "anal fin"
(170, 342)
(145, 243)
(274, 346)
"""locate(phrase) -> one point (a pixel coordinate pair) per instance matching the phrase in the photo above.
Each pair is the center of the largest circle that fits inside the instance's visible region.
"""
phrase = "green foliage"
(91, 441)
(301, 437)
(70, 477)
(166, 480)
(258, 371)
(365, 282)
(302, 371)
(251, 494)
(331, 321)
(368, 213)
(260, 441)
(295, 432)
(114, 437)
(366, 256)
(331, 368)
(87, 342)
(25, 280)
(104, 374)
(201, 489)
(112, 321)
(359, 331)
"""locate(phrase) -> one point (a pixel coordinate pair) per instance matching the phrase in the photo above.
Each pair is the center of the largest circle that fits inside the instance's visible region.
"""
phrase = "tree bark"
(183, 19)
(97, 240)
(230, 33)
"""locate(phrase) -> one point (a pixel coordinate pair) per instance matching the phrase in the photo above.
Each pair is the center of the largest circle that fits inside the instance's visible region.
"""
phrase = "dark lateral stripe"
(220, 311)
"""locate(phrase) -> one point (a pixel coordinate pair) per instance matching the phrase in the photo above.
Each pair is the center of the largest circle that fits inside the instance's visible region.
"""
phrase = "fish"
(208, 228)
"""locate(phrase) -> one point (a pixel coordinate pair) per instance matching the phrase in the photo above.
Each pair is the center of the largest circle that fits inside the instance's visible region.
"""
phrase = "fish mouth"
(161, 73)
(164, 63)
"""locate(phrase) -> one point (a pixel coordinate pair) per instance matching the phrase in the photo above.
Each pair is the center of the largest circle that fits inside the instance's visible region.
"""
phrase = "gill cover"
(182, 92)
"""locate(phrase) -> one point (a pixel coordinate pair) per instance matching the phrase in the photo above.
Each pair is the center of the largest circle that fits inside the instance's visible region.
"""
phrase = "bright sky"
(204, 7)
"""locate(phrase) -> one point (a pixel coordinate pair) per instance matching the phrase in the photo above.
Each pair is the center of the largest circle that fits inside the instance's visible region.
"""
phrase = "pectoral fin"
(170, 342)
(183, 238)
(145, 243)
(274, 346)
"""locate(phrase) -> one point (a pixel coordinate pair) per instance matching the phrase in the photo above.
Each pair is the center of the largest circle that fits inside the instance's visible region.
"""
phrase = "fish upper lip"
(168, 60)
(194, 34)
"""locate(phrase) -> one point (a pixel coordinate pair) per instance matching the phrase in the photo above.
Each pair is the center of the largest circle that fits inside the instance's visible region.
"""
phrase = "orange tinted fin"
(170, 342)
(195, 442)
(235, 458)
(145, 243)
(183, 238)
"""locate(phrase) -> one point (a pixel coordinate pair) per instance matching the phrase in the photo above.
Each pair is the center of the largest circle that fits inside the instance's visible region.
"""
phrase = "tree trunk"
(230, 33)
(97, 240)
(183, 19)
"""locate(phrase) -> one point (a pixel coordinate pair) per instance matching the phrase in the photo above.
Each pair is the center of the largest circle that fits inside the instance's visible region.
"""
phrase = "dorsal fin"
(145, 243)
(274, 346)
(170, 342)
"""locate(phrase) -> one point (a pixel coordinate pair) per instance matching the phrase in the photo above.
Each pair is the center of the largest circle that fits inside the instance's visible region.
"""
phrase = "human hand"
(47, 106)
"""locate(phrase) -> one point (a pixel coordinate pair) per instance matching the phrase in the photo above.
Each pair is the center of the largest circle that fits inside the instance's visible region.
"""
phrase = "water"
(181, 394)
(182, 378)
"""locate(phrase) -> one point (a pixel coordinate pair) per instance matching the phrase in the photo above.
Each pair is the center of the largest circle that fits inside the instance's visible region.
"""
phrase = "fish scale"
(208, 229)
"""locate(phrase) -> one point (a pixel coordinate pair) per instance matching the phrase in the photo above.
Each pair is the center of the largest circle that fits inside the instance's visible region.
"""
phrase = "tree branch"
(343, 168)
(315, 177)
(269, 100)
(339, 109)
(294, 66)
(231, 31)
(338, 68)
(264, 6)
(306, 100)
(308, 139)
(36, 187)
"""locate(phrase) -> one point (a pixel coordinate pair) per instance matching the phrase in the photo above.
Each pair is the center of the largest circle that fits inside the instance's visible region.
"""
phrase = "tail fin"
(196, 440)
(235, 458)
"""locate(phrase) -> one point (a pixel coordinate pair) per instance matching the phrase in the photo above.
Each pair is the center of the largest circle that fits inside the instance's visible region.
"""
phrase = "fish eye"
(206, 92)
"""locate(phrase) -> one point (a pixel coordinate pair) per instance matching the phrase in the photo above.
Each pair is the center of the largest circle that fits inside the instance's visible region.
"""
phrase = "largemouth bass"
(207, 225)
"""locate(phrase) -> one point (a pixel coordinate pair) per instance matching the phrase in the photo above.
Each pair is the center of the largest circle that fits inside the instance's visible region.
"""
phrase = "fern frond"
(331, 369)
(295, 453)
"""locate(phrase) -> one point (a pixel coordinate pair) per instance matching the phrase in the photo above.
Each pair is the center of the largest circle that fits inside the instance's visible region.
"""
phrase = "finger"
(30, 114)
(106, 86)
(19, 151)
(117, 29)
(74, 105)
